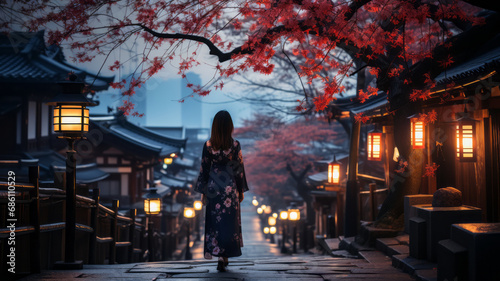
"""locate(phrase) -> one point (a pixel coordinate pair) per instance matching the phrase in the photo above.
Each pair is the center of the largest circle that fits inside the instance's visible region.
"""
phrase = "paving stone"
(288, 279)
(260, 261)
(198, 279)
(332, 270)
(371, 277)
(375, 257)
(281, 267)
(167, 270)
(343, 253)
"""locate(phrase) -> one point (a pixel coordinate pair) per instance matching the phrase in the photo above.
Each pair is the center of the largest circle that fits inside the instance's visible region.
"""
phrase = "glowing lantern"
(189, 212)
(259, 211)
(417, 132)
(466, 141)
(263, 207)
(334, 172)
(152, 202)
(284, 215)
(168, 160)
(255, 202)
(197, 205)
(266, 230)
(271, 221)
(374, 148)
(275, 215)
(272, 230)
(294, 214)
(71, 115)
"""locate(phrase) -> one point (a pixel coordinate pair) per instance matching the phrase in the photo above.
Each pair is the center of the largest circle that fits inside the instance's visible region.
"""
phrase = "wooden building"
(129, 153)
(29, 73)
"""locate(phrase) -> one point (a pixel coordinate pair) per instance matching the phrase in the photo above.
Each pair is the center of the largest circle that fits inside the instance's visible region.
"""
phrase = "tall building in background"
(192, 111)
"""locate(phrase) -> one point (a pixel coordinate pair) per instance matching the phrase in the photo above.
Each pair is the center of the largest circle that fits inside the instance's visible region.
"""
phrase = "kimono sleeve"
(239, 171)
(203, 177)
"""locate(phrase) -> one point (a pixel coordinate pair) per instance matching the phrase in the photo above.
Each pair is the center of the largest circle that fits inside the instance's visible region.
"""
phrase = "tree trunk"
(408, 182)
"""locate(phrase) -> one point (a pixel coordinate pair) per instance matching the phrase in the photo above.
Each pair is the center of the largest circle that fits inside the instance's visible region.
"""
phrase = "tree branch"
(214, 50)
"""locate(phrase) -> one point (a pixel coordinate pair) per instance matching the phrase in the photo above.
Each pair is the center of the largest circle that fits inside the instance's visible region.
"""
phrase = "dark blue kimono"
(221, 180)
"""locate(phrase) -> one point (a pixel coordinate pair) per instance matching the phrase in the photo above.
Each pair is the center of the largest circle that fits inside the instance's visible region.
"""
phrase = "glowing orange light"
(374, 148)
(466, 141)
(417, 133)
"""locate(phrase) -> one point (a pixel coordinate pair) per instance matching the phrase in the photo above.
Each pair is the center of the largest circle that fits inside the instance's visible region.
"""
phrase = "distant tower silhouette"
(192, 107)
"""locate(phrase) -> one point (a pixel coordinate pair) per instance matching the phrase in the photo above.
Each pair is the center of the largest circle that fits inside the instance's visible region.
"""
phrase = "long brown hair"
(222, 128)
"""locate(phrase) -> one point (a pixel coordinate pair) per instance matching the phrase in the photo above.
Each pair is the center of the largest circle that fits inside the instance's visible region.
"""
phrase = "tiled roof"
(51, 161)
(132, 136)
(24, 58)
(480, 63)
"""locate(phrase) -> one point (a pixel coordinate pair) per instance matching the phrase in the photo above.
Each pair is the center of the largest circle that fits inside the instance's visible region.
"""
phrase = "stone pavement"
(260, 261)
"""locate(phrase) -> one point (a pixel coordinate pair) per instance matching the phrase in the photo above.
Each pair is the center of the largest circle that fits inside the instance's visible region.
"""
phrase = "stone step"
(398, 250)
(328, 244)
(411, 265)
(383, 244)
(349, 244)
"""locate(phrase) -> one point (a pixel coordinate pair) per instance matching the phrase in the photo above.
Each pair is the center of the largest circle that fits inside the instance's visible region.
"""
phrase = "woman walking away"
(222, 182)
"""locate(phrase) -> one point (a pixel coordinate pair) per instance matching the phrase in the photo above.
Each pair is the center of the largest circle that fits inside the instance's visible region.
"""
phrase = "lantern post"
(189, 213)
(152, 206)
(71, 118)
(294, 216)
(198, 205)
(271, 221)
(283, 218)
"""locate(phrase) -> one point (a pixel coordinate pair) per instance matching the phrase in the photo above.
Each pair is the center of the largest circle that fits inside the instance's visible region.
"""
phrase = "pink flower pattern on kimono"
(228, 190)
(227, 203)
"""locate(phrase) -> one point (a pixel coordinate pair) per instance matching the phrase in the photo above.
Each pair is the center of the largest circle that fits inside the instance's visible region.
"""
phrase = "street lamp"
(266, 230)
(152, 202)
(283, 218)
(189, 213)
(272, 222)
(197, 207)
(71, 118)
(255, 202)
(152, 206)
(294, 216)
(272, 231)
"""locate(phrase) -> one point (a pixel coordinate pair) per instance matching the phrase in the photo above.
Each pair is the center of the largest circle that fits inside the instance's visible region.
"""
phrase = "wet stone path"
(261, 260)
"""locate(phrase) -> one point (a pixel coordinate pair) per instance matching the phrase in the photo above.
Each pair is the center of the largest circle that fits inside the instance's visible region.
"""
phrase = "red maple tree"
(405, 43)
(276, 144)
(393, 38)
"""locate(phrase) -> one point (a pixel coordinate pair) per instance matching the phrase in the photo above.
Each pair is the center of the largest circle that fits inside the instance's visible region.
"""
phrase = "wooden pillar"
(352, 190)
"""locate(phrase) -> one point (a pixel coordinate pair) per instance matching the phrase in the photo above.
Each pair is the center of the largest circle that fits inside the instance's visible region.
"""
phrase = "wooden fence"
(102, 234)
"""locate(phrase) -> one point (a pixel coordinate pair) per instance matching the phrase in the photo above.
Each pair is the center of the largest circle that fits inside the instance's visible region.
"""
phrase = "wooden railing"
(101, 232)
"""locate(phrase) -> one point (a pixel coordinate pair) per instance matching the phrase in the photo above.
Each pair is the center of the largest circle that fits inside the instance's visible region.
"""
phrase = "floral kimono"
(221, 180)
